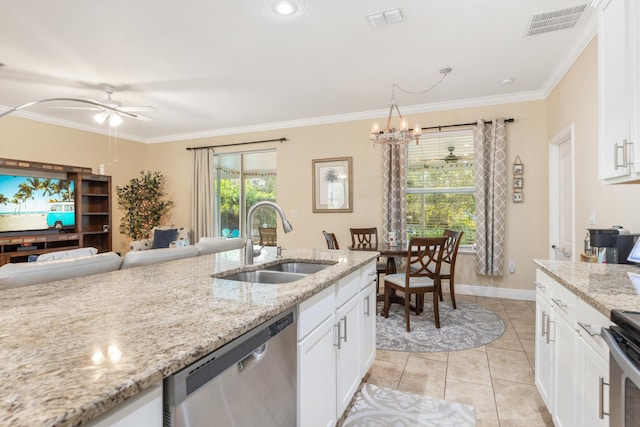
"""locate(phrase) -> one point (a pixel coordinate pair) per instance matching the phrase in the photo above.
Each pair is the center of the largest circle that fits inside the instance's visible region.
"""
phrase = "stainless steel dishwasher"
(249, 382)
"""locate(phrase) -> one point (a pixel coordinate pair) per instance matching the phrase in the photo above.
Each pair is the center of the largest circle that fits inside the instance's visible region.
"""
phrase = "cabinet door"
(592, 388)
(614, 90)
(367, 334)
(347, 362)
(544, 351)
(141, 410)
(564, 390)
(317, 377)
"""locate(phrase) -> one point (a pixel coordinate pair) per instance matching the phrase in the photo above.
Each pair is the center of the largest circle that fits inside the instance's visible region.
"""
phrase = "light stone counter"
(603, 286)
(71, 350)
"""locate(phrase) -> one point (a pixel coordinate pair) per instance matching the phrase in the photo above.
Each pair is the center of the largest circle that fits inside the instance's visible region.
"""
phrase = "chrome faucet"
(248, 249)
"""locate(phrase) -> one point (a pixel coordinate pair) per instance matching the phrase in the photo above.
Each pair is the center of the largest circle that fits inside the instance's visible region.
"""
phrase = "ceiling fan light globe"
(115, 120)
(101, 117)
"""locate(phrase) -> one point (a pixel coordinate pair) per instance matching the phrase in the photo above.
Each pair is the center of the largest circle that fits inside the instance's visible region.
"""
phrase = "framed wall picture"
(518, 183)
(332, 185)
(518, 169)
(518, 197)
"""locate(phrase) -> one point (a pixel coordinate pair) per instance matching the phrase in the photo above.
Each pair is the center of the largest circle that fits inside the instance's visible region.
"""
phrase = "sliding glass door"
(242, 180)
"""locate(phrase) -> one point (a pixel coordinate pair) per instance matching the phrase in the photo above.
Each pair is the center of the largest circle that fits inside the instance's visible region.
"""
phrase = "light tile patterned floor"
(497, 379)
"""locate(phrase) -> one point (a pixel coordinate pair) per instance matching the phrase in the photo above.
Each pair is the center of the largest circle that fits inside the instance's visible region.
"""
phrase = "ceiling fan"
(111, 109)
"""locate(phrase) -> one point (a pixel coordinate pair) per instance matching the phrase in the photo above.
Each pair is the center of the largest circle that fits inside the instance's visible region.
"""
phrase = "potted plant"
(144, 203)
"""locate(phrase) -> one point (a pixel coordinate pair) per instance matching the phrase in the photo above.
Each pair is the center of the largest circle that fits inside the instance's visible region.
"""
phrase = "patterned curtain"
(490, 158)
(202, 210)
(394, 165)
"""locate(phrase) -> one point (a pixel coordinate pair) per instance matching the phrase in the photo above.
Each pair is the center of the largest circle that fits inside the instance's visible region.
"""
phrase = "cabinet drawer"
(590, 322)
(315, 310)
(347, 288)
(564, 303)
(544, 285)
(368, 275)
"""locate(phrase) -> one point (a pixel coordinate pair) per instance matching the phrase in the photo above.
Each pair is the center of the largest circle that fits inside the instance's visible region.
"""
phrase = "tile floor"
(497, 379)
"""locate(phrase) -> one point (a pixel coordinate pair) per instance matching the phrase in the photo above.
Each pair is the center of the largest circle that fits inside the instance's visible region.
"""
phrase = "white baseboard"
(488, 291)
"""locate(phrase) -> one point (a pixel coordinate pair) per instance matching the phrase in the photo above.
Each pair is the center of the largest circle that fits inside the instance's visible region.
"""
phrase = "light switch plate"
(592, 216)
(512, 267)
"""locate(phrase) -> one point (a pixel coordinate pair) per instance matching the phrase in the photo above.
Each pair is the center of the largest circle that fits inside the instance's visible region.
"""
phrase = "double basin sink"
(285, 272)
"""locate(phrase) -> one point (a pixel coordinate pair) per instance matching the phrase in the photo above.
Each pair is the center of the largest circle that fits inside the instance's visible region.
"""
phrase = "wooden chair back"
(332, 242)
(424, 258)
(363, 237)
(450, 252)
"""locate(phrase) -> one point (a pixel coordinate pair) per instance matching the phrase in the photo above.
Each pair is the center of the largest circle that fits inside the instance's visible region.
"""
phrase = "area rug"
(377, 407)
(470, 325)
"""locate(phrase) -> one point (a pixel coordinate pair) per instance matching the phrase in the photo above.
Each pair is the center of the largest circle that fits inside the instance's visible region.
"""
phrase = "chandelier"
(402, 134)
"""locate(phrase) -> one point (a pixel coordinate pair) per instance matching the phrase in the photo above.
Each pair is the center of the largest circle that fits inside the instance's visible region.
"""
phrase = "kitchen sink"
(285, 272)
(265, 276)
(298, 267)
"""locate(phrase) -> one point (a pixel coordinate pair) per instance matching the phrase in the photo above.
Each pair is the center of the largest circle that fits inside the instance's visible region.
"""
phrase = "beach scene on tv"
(29, 203)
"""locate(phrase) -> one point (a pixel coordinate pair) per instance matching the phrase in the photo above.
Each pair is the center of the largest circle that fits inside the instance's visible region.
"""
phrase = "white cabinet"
(331, 348)
(544, 350)
(618, 72)
(367, 336)
(347, 365)
(141, 410)
(571, 359)
(592, 367)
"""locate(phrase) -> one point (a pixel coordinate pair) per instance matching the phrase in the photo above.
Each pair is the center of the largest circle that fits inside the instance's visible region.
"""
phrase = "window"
(441, 186)
(242, 180)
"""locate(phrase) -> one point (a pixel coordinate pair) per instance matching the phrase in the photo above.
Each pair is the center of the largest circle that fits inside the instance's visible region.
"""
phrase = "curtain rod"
(238, 143)
(510, 120)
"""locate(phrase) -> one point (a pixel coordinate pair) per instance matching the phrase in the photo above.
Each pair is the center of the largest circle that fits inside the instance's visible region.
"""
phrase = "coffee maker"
(611, 245)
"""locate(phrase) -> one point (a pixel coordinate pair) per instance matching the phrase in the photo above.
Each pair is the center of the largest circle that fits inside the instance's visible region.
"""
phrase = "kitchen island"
(74, 349)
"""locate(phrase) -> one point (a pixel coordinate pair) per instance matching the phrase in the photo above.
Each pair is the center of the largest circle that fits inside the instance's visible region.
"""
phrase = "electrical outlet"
(592, 217)
(293, 213)
(512, 267)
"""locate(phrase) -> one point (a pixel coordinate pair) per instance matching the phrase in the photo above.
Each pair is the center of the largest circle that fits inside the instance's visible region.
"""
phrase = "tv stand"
(18, 248)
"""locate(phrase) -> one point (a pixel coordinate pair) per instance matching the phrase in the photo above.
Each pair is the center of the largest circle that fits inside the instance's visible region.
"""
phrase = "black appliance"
(623, 340)
(616, 243)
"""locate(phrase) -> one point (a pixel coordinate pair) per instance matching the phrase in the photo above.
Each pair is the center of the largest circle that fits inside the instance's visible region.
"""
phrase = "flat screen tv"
(35, 203)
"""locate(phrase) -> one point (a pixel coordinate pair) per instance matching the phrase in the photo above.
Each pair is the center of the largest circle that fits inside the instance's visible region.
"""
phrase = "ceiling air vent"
(391, 16)
(555, 20)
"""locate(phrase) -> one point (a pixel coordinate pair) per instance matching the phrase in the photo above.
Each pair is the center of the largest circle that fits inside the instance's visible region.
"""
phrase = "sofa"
(166, 236)
(85, 261)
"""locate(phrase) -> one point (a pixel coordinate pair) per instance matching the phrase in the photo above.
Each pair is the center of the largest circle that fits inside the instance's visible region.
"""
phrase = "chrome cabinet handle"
(539, 285)
(588, 329)
(366, 306)
(549, 322)
(371, 273)
(345, 328)
(337, 343)
(559, 302)
(543, 326)
(601, 385)
(625, 155)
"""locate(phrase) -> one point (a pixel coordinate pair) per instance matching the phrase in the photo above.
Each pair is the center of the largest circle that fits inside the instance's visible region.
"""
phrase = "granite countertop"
(73, 349)
(603, 286)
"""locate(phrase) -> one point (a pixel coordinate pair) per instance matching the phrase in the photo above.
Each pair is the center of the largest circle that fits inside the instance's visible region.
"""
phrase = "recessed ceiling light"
(284, 7)
(506, 81)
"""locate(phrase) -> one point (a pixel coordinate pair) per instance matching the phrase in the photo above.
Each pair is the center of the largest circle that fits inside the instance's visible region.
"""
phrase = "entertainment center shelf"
(18, 249)
(91, 209)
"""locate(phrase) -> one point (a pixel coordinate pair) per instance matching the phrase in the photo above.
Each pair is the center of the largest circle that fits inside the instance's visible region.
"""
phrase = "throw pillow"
(162, 238)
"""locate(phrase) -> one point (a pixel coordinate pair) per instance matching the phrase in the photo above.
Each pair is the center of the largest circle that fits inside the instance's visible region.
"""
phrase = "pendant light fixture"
(402, 134)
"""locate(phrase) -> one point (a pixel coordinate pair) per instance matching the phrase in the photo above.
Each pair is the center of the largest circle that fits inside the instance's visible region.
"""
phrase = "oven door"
(624, 378)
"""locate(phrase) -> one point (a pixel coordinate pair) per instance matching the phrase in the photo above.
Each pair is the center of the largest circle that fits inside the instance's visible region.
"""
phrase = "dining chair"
(368, 237)
(422, 275)
(449, 255)
(332, 242)
(268, 236)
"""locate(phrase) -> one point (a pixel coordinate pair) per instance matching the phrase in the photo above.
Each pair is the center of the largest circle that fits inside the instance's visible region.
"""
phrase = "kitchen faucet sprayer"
(286, 226)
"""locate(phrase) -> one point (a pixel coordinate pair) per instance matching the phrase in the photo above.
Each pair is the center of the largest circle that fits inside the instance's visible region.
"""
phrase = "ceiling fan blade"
(140, 117)
(79, 108)
(139, 108)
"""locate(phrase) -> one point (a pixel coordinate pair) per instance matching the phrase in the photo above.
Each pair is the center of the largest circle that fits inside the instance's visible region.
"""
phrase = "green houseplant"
(144, 203)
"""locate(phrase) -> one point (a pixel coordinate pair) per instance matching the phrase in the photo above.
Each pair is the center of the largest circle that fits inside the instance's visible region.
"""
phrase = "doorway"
(561, 195)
